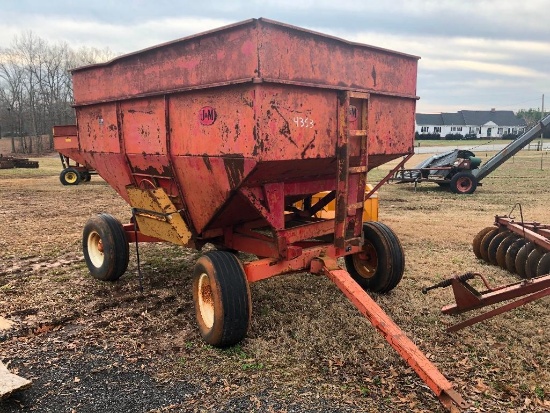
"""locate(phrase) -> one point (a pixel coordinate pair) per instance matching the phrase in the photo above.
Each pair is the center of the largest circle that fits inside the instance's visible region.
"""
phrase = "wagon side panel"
(225, 55)
(391, 128)
(98, 128)
(319, 59)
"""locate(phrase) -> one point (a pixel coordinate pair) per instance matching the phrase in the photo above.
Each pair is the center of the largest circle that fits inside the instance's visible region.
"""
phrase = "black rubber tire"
(85, 176)
(221, 294)
(493, 246)
(106, 248)
(484, 245)
(380, 266)
(511, 254)
(503, 247)
(532, 262)
(521, 258)
(476, 243)
(69, 176)
(544, 265)
(463, 183)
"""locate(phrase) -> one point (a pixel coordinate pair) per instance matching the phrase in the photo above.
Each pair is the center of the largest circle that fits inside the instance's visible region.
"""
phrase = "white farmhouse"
(481, 123)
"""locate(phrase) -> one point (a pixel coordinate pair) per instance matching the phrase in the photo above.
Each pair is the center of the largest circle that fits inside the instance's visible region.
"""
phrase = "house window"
(509, 130)
(489, 132)
(453, 129)
(514, 131)
(437, 129)
(478, 130)
(472, 130)
(500, 131)
(425, 129)
(459, 128)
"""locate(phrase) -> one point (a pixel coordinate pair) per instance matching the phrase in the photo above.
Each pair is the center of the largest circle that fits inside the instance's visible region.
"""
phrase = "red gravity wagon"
(227, 137)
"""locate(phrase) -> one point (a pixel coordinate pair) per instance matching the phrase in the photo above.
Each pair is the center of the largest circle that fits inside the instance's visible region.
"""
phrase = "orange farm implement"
(216, 138)
(522, 248)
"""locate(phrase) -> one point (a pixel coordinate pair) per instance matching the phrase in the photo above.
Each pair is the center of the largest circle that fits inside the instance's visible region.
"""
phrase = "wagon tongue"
(425, 369)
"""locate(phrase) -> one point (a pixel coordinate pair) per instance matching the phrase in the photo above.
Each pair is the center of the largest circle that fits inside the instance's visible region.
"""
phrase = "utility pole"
(542, 134)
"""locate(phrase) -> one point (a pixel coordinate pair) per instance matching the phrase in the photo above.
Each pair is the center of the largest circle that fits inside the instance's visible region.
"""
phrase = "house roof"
(471, 117)
(429, 119)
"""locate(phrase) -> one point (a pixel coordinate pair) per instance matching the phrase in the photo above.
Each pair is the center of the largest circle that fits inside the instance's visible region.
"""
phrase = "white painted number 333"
(303, 122)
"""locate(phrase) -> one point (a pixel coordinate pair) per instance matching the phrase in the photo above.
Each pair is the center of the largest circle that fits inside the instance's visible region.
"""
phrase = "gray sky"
(475, 54)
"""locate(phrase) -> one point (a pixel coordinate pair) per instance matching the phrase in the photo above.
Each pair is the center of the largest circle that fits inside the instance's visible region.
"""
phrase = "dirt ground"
(92, 346)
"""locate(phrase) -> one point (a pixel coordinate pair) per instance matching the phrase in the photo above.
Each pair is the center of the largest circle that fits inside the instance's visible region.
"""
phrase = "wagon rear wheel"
(380, 265)
(477, 240)
(85, 176)
(105, 247)
(221, 294)
(69, 176)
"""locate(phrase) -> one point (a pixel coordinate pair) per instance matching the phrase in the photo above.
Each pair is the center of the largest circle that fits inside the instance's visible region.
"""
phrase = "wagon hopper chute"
(219, 137)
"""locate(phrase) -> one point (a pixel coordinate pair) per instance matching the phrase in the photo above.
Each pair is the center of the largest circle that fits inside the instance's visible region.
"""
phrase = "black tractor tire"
(106, 248)
(463, 183)
(221, 294)
(380, 265)
(85, 176)
(69, 176)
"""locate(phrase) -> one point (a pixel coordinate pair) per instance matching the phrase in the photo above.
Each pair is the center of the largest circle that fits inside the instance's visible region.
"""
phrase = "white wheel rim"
(206, 302)
(95, 249)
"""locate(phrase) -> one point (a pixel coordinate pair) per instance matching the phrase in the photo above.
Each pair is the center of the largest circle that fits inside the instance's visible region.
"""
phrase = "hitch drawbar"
(442, 388)
(468, 298)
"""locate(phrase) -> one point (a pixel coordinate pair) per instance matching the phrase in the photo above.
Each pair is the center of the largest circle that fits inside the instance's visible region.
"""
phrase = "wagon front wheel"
(221, 294)
(105, 247)
(380, 265)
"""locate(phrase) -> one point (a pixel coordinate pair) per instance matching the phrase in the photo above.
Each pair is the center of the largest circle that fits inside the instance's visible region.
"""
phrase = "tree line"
(36, 89)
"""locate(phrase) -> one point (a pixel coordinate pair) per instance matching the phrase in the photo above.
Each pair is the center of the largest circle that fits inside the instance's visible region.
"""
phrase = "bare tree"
(36, 89)
(12, 80)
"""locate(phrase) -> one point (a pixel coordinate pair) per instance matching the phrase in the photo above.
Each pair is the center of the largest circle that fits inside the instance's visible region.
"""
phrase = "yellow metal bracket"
(157, 216)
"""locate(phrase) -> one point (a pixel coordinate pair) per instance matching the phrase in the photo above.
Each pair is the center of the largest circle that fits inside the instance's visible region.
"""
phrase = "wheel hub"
(206, 302)
(71, 177)
(464, 184)
(366, 261)
(95, 249)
